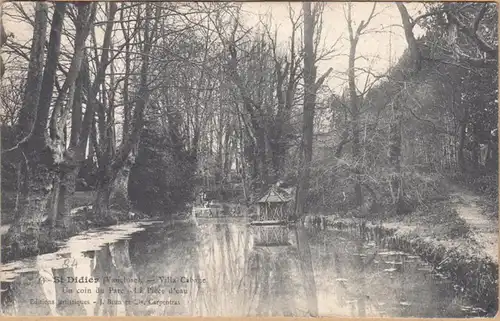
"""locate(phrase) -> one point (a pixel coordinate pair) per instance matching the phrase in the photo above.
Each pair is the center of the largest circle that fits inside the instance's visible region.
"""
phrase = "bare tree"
(110, 161)
(354, 96)
(37, 150)
(311, 85)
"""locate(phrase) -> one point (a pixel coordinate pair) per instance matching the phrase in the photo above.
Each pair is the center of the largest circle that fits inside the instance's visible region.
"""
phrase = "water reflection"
(66, 293)
(110, 266)
(276, 283)
(217, 268)
(25, 296)
(306, 268)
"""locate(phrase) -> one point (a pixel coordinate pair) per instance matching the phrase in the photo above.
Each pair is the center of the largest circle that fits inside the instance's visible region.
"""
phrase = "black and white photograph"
(239, 159)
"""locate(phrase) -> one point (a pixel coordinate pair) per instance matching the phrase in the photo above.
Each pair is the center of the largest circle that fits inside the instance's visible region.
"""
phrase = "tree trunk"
(66, 192)
(35, 72)
(23, 235)
(311, 86)
(228, 151)
(395, 159)
(103, 191)
(75, 154)
(3, 40)
(110, 165)
(52, 206)
(261, 162)
(461, 146)
(72, 90)
(32, 91)
(119, 198)
(308, 111)
(475, 153)
(41, 158)
(353, 97)
(22, 186)
(415, 53)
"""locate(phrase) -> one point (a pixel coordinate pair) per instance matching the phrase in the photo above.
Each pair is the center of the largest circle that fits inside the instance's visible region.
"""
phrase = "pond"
(226, 267)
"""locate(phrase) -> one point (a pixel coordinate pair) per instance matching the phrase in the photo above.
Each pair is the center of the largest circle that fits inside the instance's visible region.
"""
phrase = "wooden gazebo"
(273, 207)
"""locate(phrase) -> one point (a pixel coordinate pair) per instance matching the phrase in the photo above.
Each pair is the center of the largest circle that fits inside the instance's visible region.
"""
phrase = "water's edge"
(476, 276)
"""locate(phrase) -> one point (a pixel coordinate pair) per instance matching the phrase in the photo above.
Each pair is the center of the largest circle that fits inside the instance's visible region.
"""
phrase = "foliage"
(448, 122)
(8, 173)
(162, 179)
(227, 104)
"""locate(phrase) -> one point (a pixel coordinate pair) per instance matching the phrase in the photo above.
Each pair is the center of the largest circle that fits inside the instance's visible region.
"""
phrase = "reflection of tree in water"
(350, 274)
(101, 269)
(280, 279)
(305, 260)
(171, 253)
(65, 292)
(222, 251)
(113, 261)
(241, 279)
(361, 290)
(268, 286)
(25, 288)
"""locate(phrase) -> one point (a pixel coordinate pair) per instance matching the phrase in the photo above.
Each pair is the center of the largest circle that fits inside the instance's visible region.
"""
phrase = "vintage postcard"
(324, 159)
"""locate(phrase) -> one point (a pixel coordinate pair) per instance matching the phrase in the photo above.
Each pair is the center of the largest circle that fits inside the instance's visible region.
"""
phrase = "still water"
(216, 267)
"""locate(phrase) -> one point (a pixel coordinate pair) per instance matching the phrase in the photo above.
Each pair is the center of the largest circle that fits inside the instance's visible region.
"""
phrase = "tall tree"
(31, 94)
(354, 100)
(43, 151)
(112, 162)
(312, 18)
(41, 157)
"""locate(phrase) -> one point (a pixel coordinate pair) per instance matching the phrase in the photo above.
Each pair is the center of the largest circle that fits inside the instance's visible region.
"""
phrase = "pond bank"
(471, 269)
(50, 238)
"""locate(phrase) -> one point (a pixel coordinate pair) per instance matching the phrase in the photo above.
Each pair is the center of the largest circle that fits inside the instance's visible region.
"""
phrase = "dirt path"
(483, 228)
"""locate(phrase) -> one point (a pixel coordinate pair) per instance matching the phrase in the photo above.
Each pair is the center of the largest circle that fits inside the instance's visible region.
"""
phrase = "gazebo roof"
(275, 195)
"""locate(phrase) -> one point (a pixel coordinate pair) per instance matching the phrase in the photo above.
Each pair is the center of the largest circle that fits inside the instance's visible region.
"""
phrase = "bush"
(162, 179)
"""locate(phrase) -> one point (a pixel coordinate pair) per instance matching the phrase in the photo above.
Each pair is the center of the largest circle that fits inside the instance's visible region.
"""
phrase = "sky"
(381, 46)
